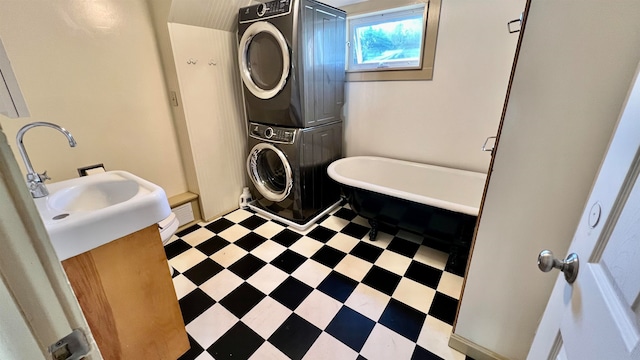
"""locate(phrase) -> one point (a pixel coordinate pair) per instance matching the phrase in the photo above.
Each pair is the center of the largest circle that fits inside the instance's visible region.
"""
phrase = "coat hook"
(212, 62)
(192, 61)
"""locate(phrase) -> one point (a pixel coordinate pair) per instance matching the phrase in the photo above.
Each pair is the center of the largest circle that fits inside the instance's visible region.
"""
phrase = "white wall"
(443, 121)
(569, 87)
(93, 68)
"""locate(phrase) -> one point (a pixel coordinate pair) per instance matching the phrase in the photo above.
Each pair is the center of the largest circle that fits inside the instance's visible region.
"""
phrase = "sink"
(84, 213)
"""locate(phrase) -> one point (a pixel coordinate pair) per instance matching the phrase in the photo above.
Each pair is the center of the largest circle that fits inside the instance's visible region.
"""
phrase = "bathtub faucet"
(36, 181)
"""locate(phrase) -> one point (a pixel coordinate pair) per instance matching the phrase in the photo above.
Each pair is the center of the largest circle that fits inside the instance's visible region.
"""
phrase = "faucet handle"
(44, 177)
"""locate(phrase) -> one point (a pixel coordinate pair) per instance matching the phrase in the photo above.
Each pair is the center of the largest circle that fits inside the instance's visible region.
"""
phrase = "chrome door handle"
(484, 146)
(568, 266)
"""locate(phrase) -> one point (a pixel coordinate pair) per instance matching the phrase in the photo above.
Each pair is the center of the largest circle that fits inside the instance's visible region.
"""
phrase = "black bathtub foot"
(374, 229)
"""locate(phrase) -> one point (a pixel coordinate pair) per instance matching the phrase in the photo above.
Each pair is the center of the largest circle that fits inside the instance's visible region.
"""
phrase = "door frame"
(30, 271)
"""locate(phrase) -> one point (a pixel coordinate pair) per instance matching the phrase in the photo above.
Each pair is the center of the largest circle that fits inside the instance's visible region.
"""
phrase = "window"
(391, 44)
(388, 40)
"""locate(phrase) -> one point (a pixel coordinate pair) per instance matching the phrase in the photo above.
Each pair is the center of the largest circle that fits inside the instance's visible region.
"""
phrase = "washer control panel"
(264, 11)
(272, 133)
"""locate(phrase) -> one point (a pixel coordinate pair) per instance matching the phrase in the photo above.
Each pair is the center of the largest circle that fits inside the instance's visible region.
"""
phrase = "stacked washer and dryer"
(291, 56)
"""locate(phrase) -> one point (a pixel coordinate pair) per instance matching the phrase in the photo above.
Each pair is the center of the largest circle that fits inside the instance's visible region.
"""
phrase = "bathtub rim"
(443, 204)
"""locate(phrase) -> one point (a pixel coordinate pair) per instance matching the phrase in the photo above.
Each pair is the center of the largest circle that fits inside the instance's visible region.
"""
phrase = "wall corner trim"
(472, 349)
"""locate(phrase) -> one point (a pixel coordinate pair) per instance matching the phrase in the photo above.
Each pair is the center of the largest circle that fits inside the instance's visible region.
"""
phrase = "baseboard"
(472, 349)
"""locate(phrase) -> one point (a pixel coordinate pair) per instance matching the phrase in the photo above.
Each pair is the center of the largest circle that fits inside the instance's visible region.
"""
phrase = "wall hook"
(212, 62)
(192, 61)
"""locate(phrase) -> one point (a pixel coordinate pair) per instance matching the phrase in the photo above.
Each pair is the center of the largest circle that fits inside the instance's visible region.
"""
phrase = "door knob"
(568, 266)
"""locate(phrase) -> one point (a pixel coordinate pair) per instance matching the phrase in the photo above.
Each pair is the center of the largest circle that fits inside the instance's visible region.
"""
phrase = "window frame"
(428, 46)
(377, 18)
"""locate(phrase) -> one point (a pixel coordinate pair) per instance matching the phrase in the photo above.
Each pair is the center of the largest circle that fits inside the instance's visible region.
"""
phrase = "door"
(270, 171)
(264, 61)
(598, 316)
(38, 305)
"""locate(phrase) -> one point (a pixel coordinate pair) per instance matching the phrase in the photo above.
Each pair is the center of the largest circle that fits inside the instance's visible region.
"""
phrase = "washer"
(291, 57)
(288, 169)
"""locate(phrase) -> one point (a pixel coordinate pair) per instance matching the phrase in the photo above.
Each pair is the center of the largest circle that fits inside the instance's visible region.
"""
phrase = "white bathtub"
(445, 188)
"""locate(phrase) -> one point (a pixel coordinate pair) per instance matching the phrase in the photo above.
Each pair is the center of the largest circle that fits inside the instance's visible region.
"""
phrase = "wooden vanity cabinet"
(126, 293)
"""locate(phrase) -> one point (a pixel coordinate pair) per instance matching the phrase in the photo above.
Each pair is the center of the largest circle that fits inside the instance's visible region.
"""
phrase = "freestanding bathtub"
(441, 204)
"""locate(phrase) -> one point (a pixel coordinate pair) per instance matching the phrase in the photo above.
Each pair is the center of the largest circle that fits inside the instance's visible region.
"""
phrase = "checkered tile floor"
(252, 288)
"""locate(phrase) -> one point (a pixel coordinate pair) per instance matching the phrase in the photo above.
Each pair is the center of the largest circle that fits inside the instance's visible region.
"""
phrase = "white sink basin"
(84, 213)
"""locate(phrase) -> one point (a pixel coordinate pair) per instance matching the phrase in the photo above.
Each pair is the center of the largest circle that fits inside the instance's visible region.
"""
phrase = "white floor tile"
(382, 240)
(450, 284)
(334, 223)
(361, 221)
(268, 278)
(221, 284)
(204, 356)
(393, 262)
(238, 215)
(268, 229)
(384, 344)
(327, 347)
(342, 242)
(228, 255)
(318, 309)
(266, 317)
(306, 246)
(435, 338)
(432, 257)
(268, 250)
(197, 237)
(311, 273)
(368, 301)
(268, 352)
(183, 285)
(353, 267)
(187, 260)
(234, 233)
(414, 294)
(211, 325)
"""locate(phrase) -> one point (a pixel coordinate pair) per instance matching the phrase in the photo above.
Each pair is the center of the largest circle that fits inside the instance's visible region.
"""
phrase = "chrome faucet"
(36, 181)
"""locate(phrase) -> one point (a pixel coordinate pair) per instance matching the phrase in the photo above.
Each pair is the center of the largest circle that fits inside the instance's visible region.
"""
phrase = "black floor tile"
(458, 264)
(382, 280)
(250, 241)
(188, 230)
(295, 336)
(328, 256)
(279, 223)
(194, 304)
(360, 357)
(212, 245)
(366, 252)
(321, 234)
(203, 271)
(346, 214)
(239, 343)
(338, 286)
(241, 300)
(444, 308)
(288, 261)
(252, 222)
(322, 218)
(403, 247)
(247, 266)
(219, 225)
(356, 230)
(403, 319)
(423, 354)
(194, 350)
(176, 248)
(424, 274)
(291, 292)
(286, 237)
(351, 328)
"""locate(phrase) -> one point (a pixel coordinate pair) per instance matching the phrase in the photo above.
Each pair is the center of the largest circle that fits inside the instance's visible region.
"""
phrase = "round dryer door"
(263, 59)
(270, 172)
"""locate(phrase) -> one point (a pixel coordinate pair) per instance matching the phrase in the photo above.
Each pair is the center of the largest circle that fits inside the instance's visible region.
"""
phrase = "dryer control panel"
(264, 11)
(272, 133)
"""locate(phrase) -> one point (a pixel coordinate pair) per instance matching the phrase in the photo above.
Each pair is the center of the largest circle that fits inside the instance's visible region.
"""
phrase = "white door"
(598, 316)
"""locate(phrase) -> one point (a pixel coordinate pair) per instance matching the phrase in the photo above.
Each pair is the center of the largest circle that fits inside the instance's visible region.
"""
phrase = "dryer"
(291, 55)
(288, 170)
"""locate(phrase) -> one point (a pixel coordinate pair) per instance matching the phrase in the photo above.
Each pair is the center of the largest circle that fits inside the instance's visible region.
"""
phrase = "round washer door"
(263, 59)
(270, 172)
